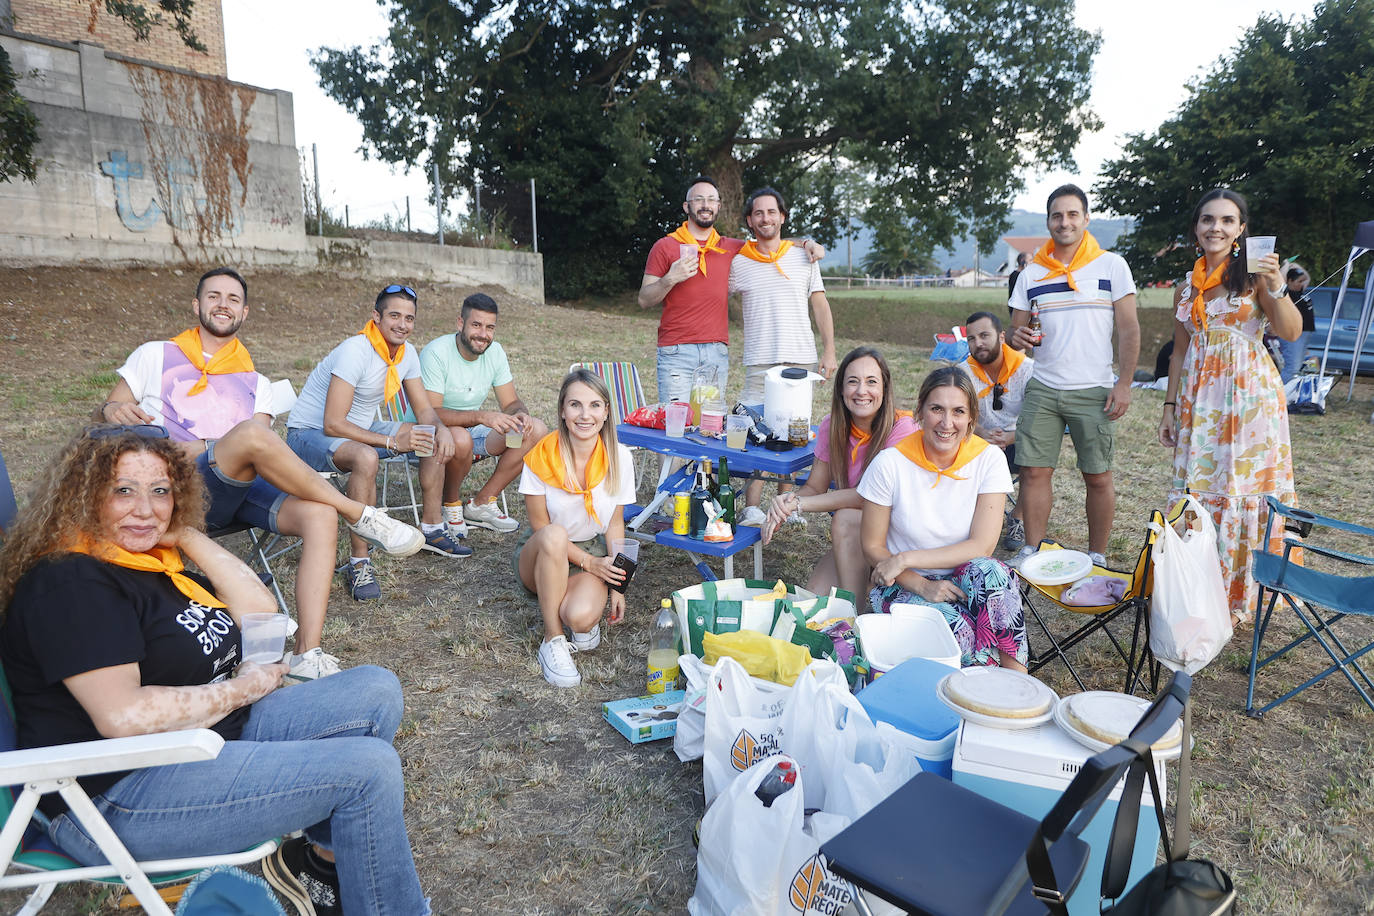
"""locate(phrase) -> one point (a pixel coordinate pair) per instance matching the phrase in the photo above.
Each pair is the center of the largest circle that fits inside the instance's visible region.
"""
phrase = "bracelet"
(1280, 293)
(390, 447)
(102, 410)
(1171, 403)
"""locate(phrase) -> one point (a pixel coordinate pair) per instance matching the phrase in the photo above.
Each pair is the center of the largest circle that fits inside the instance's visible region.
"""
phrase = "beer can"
(682, 505)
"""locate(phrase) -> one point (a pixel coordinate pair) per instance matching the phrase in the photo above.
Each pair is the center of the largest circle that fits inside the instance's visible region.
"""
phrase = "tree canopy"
(1287, 119)
(613, 107)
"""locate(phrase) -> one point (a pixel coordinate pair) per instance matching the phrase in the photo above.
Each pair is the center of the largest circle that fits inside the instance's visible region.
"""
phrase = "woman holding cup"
(1225, 411)
(105, 635)
(576, 483)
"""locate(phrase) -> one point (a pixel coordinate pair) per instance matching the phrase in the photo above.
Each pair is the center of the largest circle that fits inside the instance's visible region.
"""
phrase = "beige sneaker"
(489, 515)
(381, 530)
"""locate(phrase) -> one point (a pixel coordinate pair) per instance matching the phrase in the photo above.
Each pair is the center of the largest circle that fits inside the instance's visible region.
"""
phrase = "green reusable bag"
(711, 615)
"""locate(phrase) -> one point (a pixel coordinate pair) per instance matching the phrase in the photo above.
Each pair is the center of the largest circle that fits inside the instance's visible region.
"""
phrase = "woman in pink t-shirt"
(863, 421)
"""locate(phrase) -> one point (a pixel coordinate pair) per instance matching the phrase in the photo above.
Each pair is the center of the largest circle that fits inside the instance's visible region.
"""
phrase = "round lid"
(1109, 717)
(999, 692)
(791, 372)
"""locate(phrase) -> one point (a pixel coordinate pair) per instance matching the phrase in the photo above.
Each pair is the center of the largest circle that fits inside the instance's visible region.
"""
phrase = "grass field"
(520, 799)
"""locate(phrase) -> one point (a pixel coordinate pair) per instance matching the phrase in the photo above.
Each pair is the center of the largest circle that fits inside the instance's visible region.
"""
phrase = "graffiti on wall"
(180, 210)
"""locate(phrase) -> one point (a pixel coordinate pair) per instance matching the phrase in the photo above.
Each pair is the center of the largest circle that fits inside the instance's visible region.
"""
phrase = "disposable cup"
(736, 431)
(515, 438)
(422, 438)
(687, 251)
(1256, 247)
(264, 637)
(630, 548)
(626, 558)
(675, 419)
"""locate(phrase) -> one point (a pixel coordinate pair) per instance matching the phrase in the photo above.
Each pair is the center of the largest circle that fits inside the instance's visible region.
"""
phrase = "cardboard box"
(646, 718)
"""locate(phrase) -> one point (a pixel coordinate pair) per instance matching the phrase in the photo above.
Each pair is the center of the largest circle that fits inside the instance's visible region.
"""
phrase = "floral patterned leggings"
(988, 621)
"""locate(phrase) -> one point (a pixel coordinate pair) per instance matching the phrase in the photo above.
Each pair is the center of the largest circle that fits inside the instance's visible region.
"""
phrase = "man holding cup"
(458, 371)
(334, 425)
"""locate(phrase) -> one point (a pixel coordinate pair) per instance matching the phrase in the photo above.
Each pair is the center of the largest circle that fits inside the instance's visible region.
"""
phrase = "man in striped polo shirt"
(1082, 292)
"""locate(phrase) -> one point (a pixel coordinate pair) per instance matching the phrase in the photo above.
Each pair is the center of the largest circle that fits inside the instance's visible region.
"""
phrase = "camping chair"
(1134, 605)
(9, 508)
(980, 856)
(1305, 591)
(627, 396)
(28, 858)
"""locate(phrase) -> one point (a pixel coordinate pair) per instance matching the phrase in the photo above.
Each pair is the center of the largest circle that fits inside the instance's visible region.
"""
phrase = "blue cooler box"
(905, 699)
(1028, 769)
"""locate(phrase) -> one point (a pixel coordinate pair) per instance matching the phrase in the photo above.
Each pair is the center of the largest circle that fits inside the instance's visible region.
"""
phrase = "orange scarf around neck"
(712, 243)
(546, 460)
(914, 448)
(858, 438)
(1011, 361)
(232, 357)
(1087, 252)
(1202, 281)
(751, 251)
(383, 349)
(165, 560)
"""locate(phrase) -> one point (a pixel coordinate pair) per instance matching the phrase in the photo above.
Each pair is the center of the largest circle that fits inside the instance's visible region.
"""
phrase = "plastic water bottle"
(782, 778)
(663, 650)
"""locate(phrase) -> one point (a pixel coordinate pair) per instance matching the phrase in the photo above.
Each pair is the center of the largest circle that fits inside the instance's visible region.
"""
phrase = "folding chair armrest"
(1312, 518)
(1357, 559)
(108, 755)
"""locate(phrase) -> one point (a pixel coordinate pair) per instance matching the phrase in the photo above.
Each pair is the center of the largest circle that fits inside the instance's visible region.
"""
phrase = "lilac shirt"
(901, 428)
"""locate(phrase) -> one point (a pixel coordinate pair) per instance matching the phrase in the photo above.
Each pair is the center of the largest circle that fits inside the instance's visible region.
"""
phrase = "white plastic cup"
(675, 419)
(630, 548)
(1256, 247)
(424, 447)
(515, 437)
(264, 637)
(685, 251)
(736, 431)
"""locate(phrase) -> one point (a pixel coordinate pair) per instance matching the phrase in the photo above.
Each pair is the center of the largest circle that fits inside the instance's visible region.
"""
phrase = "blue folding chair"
(8, 507)
(1318, 598)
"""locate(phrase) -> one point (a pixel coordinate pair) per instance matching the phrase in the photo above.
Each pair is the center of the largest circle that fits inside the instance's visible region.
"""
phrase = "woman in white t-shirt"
(931, 516)
(576, 482)
(863, 421)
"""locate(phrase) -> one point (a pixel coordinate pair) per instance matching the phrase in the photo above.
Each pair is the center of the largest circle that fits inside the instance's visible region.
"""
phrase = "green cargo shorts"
(1044, 414)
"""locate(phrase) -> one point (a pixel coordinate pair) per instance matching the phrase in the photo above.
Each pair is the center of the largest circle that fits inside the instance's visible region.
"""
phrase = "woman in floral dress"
(1225, 412)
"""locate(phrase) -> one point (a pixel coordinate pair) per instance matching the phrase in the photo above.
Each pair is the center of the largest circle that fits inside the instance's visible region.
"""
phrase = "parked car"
(1347, 328)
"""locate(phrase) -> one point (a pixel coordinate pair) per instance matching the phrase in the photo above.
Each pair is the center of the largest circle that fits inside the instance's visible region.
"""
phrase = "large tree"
(1287, 119)
(611, 107)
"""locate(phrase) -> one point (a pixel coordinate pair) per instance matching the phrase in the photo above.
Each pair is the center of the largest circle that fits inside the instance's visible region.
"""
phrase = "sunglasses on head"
(997, 392)
(395, 288)
(142, 430)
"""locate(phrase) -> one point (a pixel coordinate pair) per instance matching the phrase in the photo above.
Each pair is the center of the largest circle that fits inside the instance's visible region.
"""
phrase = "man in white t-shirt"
(334, 425)
(459, 371)
(1081, 292)
(780, 290)
(202, 388)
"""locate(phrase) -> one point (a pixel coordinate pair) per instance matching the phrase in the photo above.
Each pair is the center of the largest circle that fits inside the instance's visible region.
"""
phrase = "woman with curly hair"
(105, 635)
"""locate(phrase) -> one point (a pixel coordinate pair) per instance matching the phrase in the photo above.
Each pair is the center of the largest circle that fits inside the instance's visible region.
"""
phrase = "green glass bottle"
(725, 495)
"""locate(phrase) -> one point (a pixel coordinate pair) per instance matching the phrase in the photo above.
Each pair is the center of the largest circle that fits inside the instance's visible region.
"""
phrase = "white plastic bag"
(690, 735)
(757, 861)
(1190, 621)
(865, 770)
(743, 724)
(820, 718)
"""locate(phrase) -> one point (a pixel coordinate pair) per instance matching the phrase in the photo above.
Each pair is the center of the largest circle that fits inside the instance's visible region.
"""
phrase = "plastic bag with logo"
(1190, 621)
(821, 714)
(743, 721)
(759, 859)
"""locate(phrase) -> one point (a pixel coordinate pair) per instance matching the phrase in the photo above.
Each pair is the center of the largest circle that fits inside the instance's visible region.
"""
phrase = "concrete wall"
(82, 20)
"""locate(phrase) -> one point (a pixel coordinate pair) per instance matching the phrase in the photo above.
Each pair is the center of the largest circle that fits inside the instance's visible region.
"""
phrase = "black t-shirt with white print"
(72, 614)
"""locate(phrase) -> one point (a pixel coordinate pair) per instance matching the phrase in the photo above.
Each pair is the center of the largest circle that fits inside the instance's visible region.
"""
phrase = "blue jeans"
(318, 757)
(317, 450)
(1294, 352)
(678, 363)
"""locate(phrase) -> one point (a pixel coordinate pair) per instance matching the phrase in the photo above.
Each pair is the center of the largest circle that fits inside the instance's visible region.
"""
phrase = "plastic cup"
(736, 431)
(264, 637)
(675, 419)
(626, 555)
(424, 446)
(687, 251)
(1256, 247)
(515, 437)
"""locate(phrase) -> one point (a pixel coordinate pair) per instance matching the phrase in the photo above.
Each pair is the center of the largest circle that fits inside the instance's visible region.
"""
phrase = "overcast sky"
(1149, 52)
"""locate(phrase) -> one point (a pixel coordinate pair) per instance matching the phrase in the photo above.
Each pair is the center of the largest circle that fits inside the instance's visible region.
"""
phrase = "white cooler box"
(1027, 770)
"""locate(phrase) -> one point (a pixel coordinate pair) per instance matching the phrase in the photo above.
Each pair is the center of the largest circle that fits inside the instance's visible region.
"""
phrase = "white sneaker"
(459, 530)
(555, 660)
(489, 516)
(586, 642)
(752, 516)
(381, 530)
(1016, 561)
(1098, 559)
(312, 664)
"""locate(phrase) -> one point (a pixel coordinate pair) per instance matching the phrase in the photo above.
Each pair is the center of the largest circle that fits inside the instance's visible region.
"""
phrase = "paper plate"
(1090, 717)
(997, 697)
(1056, 567)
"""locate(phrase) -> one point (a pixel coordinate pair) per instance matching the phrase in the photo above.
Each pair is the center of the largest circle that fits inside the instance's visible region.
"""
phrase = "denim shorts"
(317, 450)
(254, 502)
(677, 365)
(479, 435)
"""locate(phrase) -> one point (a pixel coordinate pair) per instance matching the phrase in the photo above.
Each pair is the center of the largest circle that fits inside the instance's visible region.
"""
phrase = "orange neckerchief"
(914, 448)
(751, 251)
(1011, 361)
(232, 357)
(546, 460)
(166, 560)
(1087, 252)
(712, 243)
(1202, 281)
(379, 344)
(860, 437)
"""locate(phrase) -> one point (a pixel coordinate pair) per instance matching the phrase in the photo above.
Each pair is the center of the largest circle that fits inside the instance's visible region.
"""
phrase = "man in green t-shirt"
(458, 371)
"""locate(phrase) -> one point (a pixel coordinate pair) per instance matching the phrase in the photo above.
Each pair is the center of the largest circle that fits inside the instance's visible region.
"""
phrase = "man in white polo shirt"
(780, 289)
(1081, 292)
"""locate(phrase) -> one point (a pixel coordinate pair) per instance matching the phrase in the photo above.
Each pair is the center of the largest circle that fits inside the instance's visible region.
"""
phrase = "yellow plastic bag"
(760, 655)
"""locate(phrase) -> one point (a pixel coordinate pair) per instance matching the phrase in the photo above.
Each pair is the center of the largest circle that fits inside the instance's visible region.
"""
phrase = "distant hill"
(961, 254)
